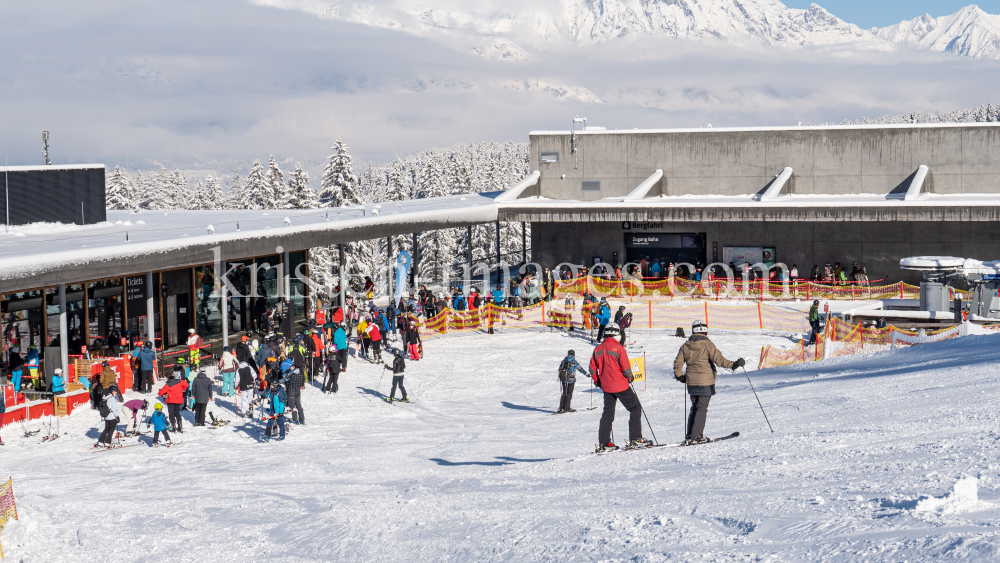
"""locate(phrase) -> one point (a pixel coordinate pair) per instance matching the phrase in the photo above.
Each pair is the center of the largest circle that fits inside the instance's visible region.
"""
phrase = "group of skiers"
(611, 371)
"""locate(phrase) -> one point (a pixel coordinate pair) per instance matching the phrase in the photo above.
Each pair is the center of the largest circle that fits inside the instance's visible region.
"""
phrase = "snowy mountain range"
(509, 30)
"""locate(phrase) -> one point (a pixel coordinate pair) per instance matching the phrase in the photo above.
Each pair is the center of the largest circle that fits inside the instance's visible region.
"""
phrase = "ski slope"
(863, 466)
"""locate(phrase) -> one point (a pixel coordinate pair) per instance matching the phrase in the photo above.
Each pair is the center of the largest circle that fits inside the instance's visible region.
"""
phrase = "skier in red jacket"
(174, 390)
(612, 372)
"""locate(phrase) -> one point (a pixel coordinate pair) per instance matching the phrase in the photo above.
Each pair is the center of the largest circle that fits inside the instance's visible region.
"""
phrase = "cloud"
(208, 85)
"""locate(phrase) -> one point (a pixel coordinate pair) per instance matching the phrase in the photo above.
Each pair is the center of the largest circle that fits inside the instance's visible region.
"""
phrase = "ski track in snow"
(475, 470)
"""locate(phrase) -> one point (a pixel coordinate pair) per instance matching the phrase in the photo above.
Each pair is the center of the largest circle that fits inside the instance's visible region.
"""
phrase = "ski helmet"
(612, 330)
(699, 327)
(816, 302)
(621, 307)
(145, 404)
(149, 344)
(158, 407)
(190, 331)
(225, 348)
(571, 353)
(396, 353)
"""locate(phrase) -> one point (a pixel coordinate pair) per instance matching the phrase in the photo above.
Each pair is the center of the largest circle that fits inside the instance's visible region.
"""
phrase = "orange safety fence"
(845, 339)
(645, 316)
(632, 288)
(8, 506)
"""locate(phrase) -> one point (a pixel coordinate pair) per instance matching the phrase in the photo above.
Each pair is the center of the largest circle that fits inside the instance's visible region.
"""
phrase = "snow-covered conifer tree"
(301, 196)
(120, 193)
(213, 198)
(256, 192)
(340, 184)
(276, 181)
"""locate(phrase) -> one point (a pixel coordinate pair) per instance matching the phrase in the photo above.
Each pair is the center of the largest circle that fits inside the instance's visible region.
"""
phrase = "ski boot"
(697, 440)
(605, 448)
(638, 444)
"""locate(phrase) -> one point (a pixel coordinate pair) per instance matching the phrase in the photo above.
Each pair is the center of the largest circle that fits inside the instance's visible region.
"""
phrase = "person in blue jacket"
(276, 400)
(147, 361)
(58, 386)
(391, 312)
(603, 318)
(159, 422)
(340, 341)
(497, 296)
(459, 302)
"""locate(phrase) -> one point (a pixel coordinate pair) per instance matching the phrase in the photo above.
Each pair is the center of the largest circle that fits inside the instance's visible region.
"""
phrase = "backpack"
(278, 401)
(103, 406)
(626, 321)
(564, 371)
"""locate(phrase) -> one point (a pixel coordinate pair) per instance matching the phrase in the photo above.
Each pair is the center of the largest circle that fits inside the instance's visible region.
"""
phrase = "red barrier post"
(706, 312)
(807, 291)
(760, 318)
(900, 290)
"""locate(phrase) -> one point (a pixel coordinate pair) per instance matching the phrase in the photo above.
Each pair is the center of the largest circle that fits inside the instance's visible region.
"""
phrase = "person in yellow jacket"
(363, 340)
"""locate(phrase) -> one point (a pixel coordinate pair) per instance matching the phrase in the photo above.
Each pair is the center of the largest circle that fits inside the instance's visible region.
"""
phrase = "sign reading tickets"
(639, 369)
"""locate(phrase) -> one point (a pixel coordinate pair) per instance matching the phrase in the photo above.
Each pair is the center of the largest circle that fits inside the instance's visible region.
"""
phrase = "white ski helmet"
(699, 327)
(612, 330)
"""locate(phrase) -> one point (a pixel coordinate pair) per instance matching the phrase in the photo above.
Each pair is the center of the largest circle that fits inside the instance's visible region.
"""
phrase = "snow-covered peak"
(970, 32)
(509, 30)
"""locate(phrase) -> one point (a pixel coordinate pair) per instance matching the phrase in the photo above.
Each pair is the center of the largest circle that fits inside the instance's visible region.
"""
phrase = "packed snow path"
(477, 470)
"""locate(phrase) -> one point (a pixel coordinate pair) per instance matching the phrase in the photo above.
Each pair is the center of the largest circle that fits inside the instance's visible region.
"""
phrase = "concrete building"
(798, 195)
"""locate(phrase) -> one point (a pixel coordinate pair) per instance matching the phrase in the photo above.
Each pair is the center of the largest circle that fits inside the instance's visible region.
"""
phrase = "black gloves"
(631, 378)
(681, 378)
(739, 363)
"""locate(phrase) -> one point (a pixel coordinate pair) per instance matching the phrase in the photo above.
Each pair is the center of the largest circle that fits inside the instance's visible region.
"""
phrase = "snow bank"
(964, 498)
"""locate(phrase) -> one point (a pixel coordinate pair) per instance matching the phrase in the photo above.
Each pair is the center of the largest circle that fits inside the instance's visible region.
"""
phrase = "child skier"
(567, 371)
(276, 400)
(398, 366)
(135, 405)
(159, 423)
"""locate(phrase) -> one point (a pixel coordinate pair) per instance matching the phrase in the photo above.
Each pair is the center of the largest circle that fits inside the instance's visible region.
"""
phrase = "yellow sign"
(639, 369)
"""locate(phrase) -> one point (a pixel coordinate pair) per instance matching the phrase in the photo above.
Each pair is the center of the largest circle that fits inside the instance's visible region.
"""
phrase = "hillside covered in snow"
(891, 457)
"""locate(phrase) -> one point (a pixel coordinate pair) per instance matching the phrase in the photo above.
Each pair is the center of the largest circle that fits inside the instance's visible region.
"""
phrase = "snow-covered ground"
(863, 465)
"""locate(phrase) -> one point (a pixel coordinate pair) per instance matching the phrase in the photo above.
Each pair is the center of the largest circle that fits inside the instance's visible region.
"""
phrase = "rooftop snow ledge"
(642, 189)
(517, 189)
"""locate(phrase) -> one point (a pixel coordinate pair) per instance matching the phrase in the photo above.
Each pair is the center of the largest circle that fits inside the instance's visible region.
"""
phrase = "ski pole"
(685, 413)
(758, 399)
(380, 380)
(657, 442)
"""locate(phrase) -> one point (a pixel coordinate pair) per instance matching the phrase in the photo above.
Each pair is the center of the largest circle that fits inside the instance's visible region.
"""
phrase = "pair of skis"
(681, 445)
(394, 401)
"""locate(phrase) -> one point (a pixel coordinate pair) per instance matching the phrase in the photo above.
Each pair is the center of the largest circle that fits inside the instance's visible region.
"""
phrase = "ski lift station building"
(795, 195)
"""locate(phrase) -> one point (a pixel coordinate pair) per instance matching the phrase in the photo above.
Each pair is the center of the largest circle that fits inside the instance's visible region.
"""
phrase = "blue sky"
(880, 13)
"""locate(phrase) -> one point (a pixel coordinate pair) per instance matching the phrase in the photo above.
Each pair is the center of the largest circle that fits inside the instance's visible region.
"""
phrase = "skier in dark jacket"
(202, 395)
(412, 340)
(398, 366)
(701, 357)
(245, 386)
(814, 321)
(294, 384)
(619, 315)
(567, 372)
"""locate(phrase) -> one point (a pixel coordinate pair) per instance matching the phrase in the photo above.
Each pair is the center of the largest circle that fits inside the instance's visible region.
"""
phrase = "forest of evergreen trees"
(463, 168)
